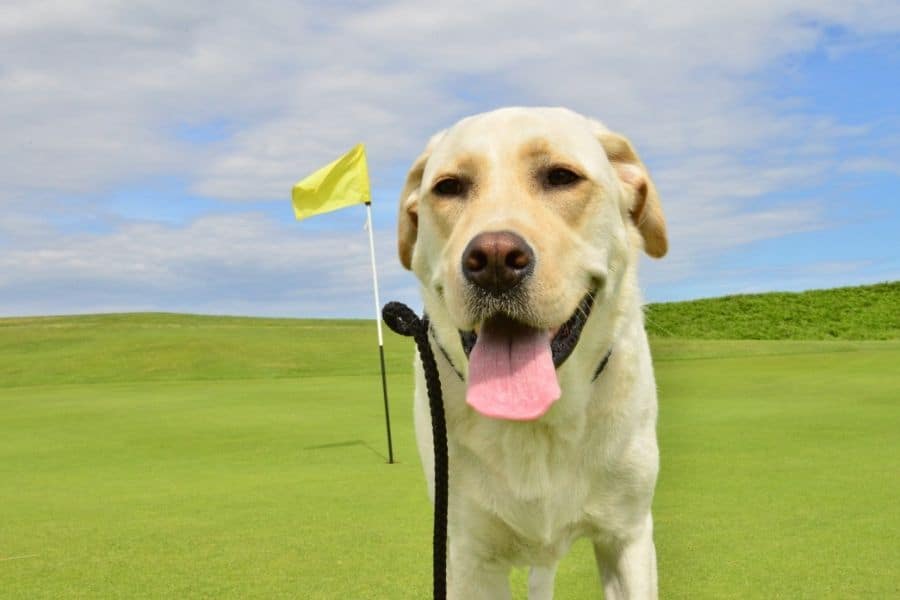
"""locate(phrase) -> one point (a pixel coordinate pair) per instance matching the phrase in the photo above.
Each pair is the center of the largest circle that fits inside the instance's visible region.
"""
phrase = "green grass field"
(167, 456)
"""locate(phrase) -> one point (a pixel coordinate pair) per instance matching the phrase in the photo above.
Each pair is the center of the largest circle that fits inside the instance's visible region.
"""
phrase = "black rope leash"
(402, 320)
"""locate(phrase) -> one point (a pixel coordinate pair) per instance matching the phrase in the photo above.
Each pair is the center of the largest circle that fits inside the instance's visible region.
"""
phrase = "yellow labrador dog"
(524, 227)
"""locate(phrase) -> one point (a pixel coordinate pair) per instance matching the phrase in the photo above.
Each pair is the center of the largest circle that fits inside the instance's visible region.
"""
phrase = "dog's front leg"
(628, 571)
(540, 583)
(471, 577)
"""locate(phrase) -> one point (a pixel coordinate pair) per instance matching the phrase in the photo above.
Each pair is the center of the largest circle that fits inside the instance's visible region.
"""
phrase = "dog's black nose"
(497, 261)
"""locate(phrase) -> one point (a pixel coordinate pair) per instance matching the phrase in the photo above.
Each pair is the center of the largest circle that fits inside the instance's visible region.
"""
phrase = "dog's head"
(514, 220)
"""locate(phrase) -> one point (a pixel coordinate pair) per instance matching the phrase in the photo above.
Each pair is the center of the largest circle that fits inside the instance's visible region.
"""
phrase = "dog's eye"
(560, 177)
(450, 186)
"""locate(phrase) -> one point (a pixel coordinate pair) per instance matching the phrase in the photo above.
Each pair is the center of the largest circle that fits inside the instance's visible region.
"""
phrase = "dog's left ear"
(646, 211)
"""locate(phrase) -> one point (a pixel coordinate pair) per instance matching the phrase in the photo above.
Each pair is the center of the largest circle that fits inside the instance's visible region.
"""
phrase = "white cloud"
(97, 87)
(95, 94)
(244, 263)
(871, 164)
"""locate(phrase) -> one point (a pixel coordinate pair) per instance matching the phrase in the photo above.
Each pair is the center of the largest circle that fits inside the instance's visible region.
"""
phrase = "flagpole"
(387, 410)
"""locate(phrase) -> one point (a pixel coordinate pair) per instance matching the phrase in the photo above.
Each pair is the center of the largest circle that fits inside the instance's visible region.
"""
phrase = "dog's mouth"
(565, 337)
(512, 366)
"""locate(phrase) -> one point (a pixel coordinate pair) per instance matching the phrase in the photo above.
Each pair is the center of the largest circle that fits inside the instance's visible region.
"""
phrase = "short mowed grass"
(170, 456)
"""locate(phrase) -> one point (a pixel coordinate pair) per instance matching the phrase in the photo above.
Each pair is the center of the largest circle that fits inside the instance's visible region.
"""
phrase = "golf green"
(170, 456)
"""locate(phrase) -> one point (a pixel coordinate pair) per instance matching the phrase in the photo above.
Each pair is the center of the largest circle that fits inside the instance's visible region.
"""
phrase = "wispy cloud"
(237, 101)
(219, 263)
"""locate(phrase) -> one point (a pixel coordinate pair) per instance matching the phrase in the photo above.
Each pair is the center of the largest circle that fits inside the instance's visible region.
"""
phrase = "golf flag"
(341, 183)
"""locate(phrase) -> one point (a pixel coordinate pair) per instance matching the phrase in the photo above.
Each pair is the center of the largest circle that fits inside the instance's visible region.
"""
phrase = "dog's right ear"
(408, 217)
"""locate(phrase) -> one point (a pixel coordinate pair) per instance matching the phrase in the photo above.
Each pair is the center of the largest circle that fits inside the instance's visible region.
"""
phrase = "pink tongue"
(511, 373)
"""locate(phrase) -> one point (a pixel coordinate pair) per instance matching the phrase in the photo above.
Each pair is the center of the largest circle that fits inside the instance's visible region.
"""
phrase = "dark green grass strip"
(853, 313)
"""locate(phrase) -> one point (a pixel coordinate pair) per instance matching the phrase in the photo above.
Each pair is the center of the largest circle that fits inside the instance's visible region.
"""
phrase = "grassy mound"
(165, 347)
(870, 312)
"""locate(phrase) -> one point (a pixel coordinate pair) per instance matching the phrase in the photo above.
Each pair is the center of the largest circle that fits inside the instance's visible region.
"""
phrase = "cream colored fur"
(522, 492)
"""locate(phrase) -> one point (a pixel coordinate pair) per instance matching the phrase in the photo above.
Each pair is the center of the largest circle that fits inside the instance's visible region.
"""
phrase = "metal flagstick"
(387, 412)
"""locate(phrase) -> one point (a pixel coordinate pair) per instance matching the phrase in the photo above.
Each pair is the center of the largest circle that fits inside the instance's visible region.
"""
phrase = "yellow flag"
(341, 183)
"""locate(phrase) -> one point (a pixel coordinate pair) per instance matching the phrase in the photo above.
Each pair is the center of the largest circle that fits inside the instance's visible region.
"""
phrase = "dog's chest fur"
(527, 490)
(521, 473)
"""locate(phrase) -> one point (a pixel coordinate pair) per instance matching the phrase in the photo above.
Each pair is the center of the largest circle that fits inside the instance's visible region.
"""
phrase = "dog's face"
(515, 219)
(524, 211)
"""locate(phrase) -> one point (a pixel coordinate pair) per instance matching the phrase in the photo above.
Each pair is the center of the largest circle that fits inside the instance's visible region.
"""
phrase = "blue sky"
(149, 148)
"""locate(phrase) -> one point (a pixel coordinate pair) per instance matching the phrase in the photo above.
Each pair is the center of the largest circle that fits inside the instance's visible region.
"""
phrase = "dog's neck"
(523, 453)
